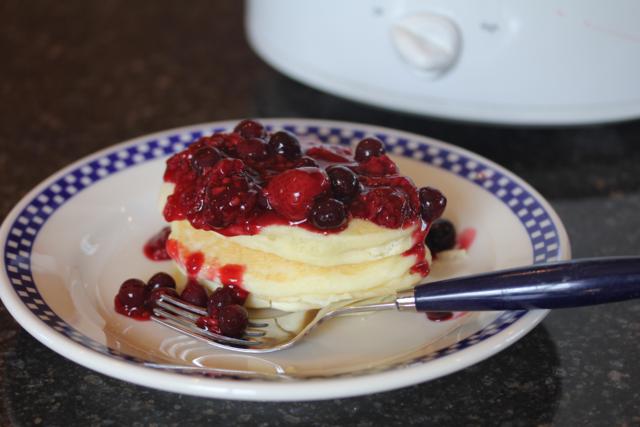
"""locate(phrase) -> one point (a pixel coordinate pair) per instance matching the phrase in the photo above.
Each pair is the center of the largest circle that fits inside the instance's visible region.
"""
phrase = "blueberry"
(286, 144)
(442, 236)
(328, 214)
(344, 182)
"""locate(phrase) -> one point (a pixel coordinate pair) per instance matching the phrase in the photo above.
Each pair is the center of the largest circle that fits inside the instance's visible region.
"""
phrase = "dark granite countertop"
(78, 76)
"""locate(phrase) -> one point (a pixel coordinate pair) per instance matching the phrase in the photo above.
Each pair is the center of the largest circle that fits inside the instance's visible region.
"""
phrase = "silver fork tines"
(182, 317)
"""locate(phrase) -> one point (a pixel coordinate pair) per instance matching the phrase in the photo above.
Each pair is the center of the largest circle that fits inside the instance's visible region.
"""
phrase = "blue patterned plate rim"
(19, 292)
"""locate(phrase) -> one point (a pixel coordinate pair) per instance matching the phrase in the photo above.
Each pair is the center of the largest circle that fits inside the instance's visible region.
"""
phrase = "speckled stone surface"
(77, 76)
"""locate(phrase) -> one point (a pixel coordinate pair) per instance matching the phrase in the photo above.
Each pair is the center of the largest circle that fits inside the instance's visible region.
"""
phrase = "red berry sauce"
(231, 275)
(156, 247)
(193, 263)
(239, 182)
(439, 316)
(419, 250)
(466, 238)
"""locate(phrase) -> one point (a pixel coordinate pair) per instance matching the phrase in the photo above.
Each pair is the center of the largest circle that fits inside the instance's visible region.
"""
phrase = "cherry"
(233, 320)
(221, 297)
(154, 296)
(286, 144)
(194, 293)
(432, 203)
(344, 182)
(368, 148)
(132, 294)
(160, 280)
(254, 149)
(205, 158)
(292, 192)
(240, 294)
(328, 214)
(250, 129)
(441, 236)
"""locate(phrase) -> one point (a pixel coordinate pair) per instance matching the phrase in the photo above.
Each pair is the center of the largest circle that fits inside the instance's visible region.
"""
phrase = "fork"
(542, 286)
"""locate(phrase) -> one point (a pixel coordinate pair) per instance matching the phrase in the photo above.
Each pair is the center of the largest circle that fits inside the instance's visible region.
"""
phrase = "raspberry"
(378, 166)
(385, 206)
(293, 192)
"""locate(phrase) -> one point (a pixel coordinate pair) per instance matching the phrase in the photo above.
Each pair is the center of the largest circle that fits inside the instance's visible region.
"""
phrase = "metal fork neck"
(406, 300)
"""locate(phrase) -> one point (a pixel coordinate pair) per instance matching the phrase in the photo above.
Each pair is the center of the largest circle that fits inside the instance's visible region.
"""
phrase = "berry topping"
(306, 162)
(293, 192)
(328, 214)
(130, 299)
(442, 236)
(378, 166)
(386, 206)
(240, 294)
(223, 195)
(285, 144)
(132, 295)
(252, 149)
(221, 297)
(368, 148)
(327, 155)
(344, 182)
(204, 159)
(156, 247)
(160, 280)
(137, 300)
(237, 183)
(194, 293)
(250, 129)
(432, 204)
(233, 320)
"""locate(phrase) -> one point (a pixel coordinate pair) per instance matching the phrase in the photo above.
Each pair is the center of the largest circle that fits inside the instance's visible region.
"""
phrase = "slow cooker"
(500, 61)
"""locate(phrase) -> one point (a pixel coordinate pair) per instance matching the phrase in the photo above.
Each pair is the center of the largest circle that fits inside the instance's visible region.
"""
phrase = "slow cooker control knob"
(428, 42)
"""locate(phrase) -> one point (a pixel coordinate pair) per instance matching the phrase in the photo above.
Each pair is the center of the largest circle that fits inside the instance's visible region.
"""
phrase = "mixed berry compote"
(239, 182)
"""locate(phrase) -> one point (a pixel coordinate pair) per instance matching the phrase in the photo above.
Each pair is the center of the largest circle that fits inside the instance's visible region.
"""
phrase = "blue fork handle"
(545, 286)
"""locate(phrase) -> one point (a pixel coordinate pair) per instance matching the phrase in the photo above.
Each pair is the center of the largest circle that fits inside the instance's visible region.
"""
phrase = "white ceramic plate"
(71, 241)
